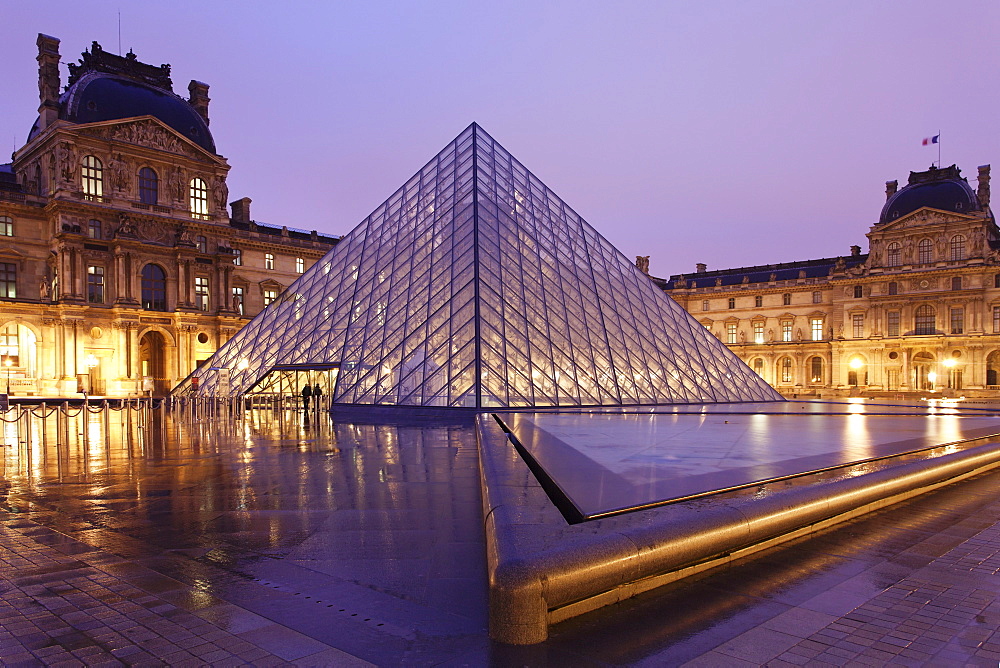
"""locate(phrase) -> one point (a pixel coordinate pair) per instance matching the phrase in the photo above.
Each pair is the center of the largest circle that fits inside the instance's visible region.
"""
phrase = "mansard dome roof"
(943, 189)
(106, 87)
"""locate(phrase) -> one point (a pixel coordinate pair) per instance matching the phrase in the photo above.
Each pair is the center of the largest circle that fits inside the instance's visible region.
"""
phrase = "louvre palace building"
(121, 268)
(917, 316)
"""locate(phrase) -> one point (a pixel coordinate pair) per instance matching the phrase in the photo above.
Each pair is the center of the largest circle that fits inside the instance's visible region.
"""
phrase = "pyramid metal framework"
(475, 286)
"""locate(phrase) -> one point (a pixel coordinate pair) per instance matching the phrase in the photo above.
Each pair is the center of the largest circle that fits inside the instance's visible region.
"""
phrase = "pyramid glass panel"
(475, 286)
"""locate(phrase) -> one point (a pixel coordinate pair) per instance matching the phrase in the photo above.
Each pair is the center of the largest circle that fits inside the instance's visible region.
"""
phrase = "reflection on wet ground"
(336, 542)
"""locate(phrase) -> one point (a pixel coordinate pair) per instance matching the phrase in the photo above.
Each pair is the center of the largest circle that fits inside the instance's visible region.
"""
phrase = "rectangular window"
(786, 330)
(730, 332)
(201, 293)
(269, 260)
(758, 332)
(300, 265)
(704, 305)
(95, 284)
(8, 280)
(996, 319)
(732, 302)
(270, 296)
(9, 346)
(957, 320)
(858, 323)
(237, 257)
(94, 229)
(202, 244)
(758, 301)
(817, 329)
(238, 300)
(7, 227)
(817, 297)
(892, 323)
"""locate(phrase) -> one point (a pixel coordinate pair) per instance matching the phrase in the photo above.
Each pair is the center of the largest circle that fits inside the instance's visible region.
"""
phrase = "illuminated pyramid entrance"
(475, 286)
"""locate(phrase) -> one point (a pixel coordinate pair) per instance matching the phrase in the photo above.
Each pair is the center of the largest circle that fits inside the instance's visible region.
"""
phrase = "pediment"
(924, 217)
(148, 132)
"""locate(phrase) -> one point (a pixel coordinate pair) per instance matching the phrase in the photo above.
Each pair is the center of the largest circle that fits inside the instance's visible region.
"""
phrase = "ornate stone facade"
(918, 316)
(121, 268)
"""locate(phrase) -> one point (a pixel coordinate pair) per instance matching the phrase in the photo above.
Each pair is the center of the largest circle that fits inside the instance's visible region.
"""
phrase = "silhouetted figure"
(306, 394)
(317, 392)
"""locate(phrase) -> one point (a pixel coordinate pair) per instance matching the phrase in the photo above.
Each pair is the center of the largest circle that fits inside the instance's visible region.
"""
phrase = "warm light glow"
(857, 363)
(8, 363)
(950, 362)
(931, 376)
(91, 361)
(243, 364)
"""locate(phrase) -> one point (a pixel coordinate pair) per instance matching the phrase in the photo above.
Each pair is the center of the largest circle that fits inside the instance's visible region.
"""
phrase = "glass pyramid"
(475, 286)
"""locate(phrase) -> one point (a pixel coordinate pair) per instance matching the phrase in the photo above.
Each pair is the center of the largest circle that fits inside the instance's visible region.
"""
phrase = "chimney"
(199, 98)
(48, 80)
(890, 188)
(983, 192)
(855, 251)
(241, 210)
(701, 267)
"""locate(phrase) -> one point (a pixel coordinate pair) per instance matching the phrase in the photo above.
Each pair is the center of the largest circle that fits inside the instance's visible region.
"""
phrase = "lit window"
(923, 320)
(786, 369)
(758, 301)
(95, 284)
(300, 265)
(859, 292)
(816, 370)
(238, 300)
(154, 288)
(92, 177)
(956, 282)
(817, 297)
(817, 328)
(893, 288)
(758, 367)
(198, 197)
(201, 293)
(957, 248)
(10, 348)
(704, 303)
(858, 324)
(238, 257)
(957, 320)
(94, 229)
(149, 186)
(996, 319)
(925, 251)
(730, 332)
(732, 302)
(8, 280)
(269, 260)
(202, 243)
(786, 330)
(270, 296)
(758, 332)
(892, 322)
(892, 254)
(786, 298)
(6, 226)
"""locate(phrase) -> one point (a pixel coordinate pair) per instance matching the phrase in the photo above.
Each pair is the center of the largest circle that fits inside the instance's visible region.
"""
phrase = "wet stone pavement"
(267, 542)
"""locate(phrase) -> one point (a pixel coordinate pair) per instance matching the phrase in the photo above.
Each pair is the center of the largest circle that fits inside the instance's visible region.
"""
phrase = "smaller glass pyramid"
(475, 286)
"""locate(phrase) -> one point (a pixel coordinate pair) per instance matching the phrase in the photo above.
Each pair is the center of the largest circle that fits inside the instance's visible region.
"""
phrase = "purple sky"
(730, 133)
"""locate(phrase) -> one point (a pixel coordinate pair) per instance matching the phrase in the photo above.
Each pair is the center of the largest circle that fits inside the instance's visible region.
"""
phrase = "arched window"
(92, 177)
(923, 320)
(198, 197)
(957, 248)
(816, 370)
(154, 288)
(892, 252)
(149, 186)
(785, 365)
(758, 367)
(925, 251)
(893, 288)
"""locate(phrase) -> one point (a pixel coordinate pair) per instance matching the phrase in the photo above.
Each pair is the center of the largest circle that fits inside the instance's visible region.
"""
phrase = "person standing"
(317, 393)
(306, 394)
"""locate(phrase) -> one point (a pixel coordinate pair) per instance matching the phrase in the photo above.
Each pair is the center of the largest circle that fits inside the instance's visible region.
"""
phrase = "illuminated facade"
(919, 314)
(475, 286)
(121, 268)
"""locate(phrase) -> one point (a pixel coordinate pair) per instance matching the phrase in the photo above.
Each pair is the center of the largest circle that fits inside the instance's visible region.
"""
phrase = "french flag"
(931, 140)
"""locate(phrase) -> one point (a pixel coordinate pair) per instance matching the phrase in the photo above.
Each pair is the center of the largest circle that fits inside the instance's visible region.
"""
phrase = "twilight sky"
(730, 133)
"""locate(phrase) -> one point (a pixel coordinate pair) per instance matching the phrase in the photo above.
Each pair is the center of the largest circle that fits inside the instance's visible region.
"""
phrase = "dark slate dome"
(943, 189)
(107, 87)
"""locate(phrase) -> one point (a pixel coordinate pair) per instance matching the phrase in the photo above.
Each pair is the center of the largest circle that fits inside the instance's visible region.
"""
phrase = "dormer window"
(92, 177)
(198, 198)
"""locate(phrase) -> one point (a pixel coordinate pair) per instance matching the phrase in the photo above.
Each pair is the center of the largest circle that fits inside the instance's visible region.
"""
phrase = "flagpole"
(939, 149)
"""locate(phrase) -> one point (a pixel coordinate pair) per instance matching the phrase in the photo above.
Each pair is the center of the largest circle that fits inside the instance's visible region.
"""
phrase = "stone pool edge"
(543, 570)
